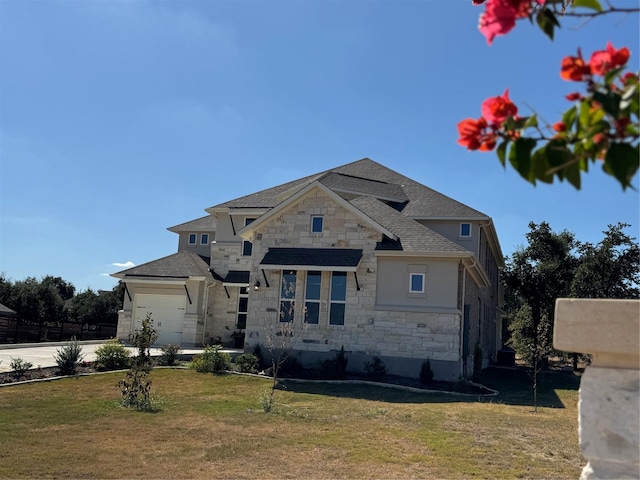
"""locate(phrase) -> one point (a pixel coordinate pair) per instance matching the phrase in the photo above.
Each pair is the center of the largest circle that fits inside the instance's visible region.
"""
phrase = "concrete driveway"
(42, 354)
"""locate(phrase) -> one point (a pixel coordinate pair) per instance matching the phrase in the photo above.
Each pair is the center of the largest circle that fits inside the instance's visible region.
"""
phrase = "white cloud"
(105, 274)
(128, 264)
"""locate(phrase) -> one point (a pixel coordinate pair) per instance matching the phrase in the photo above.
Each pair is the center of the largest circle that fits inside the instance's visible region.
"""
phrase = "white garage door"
(167, 312)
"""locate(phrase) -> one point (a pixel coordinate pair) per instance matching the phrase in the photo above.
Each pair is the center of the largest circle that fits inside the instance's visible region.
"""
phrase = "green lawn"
(214, 427)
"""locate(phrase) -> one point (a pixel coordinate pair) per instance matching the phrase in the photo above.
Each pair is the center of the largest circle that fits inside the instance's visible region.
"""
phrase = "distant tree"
(65, 289)
(609, 269)
(538, 274)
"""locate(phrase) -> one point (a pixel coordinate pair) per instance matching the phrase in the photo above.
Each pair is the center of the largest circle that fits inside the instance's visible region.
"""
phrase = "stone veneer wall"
(609, 405)
(392, 335)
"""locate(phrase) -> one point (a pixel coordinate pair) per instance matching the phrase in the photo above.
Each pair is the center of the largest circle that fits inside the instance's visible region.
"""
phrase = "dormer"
(196, 235)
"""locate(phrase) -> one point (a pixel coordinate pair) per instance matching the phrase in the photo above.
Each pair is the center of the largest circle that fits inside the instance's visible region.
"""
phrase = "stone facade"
(609, 406)
(368, 331)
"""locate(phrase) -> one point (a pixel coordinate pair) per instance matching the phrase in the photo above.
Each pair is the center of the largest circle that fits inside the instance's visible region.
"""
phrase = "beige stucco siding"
(441, 281)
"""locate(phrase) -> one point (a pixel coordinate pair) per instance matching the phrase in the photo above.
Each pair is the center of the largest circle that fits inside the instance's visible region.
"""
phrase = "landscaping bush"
(112, 356)
(19, 367)
(335, 368)
(426, 374)
(170, 354)
(247, 363)
(212, 360)
(291, 367)
(376, 369)
(69, 357)
(257, 351)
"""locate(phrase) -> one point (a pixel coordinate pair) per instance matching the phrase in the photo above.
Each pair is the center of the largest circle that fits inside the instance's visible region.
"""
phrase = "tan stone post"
(609, 405)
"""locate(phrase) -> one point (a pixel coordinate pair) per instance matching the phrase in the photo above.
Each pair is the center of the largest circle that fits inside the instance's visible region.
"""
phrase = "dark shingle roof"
(203, 223)
(313, 257)
(364, 186)
(7, 312)
(413, 237)
(183, 264)
(422, 201)
(237, 277)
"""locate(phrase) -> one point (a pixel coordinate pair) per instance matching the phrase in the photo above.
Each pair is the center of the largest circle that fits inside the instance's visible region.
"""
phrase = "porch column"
(609, 405)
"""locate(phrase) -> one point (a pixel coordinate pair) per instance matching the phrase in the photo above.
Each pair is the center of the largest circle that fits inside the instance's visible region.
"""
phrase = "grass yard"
(214, 427)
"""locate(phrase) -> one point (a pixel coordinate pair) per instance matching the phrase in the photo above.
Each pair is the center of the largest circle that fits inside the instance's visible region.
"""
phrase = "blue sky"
(119, 119)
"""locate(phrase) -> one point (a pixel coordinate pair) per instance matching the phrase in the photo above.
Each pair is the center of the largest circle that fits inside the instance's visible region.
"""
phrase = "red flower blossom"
(496, 110)
(606, 60)
(500, 16)
(477, 2)
(572, 97)
(574, 68)
(475, 135)
(560, 127)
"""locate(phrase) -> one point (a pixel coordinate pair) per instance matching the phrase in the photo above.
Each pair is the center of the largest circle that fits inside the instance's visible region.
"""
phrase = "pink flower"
(500, 16)
(604, 61)
(475, 135)
(496, 110)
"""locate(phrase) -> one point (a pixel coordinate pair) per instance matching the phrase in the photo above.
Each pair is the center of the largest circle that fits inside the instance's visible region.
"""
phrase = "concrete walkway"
(42, 354)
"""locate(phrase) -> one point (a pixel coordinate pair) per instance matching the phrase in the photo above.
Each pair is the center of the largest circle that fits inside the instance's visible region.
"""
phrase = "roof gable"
(183, 264)
(292, 200)
(411, 235)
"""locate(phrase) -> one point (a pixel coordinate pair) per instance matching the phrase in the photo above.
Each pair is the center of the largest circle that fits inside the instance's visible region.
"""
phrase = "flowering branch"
(602, 125)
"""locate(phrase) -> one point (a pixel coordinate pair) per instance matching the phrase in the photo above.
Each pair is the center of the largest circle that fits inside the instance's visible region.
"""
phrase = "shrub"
(19, 367)
(69, 357)
(335, 368)
(376, 369)
(291, 367)
(257, 351)
(426, 374)
(247, 362)
(477, 360)
(170, 354)
(112, 356)
(212, 360)
(136, 387)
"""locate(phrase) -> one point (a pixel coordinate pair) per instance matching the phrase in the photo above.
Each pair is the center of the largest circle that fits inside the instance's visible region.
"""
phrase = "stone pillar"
(609, 405)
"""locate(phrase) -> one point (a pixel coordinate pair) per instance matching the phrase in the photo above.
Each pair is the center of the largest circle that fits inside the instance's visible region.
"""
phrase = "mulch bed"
(455, 387)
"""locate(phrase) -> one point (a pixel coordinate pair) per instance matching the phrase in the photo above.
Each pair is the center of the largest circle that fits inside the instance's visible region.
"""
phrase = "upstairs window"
(316, 224)
(338, 298)
(465, 230)
(247, 246)
(312, 297)
(416, 282)
(204, 239)
(192, 238)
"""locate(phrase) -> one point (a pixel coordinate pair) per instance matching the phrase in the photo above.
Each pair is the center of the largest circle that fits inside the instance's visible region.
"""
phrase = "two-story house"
(369, 259)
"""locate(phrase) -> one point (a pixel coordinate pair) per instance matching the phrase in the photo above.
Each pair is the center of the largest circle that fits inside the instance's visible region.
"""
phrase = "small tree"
(69, 357)
(136, 387)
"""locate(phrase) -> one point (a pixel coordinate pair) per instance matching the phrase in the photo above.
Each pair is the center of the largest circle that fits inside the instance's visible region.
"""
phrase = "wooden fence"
(15, 330)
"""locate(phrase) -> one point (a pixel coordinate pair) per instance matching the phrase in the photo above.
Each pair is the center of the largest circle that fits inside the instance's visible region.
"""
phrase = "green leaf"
(532, 121)
(502, 152)
(547, 21)
(622, 161)
(569, 117)
(572, 174)
(592, 4)
(611, 75)
(628, 95)
(584, 114)
(557, 153)
(520, 157)
(610, 102)
(540, 166)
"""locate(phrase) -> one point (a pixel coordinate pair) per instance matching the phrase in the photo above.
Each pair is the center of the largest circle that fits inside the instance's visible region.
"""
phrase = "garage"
(167, 312)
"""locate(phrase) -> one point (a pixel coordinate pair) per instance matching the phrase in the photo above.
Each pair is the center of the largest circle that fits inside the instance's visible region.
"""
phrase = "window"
(243, 303)
(316, 224)
(416, 283)
(192, 238)
(312, 297)
(465, 229)
(246, 245)
(287, 295)
(338, 298)
(204, 239)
